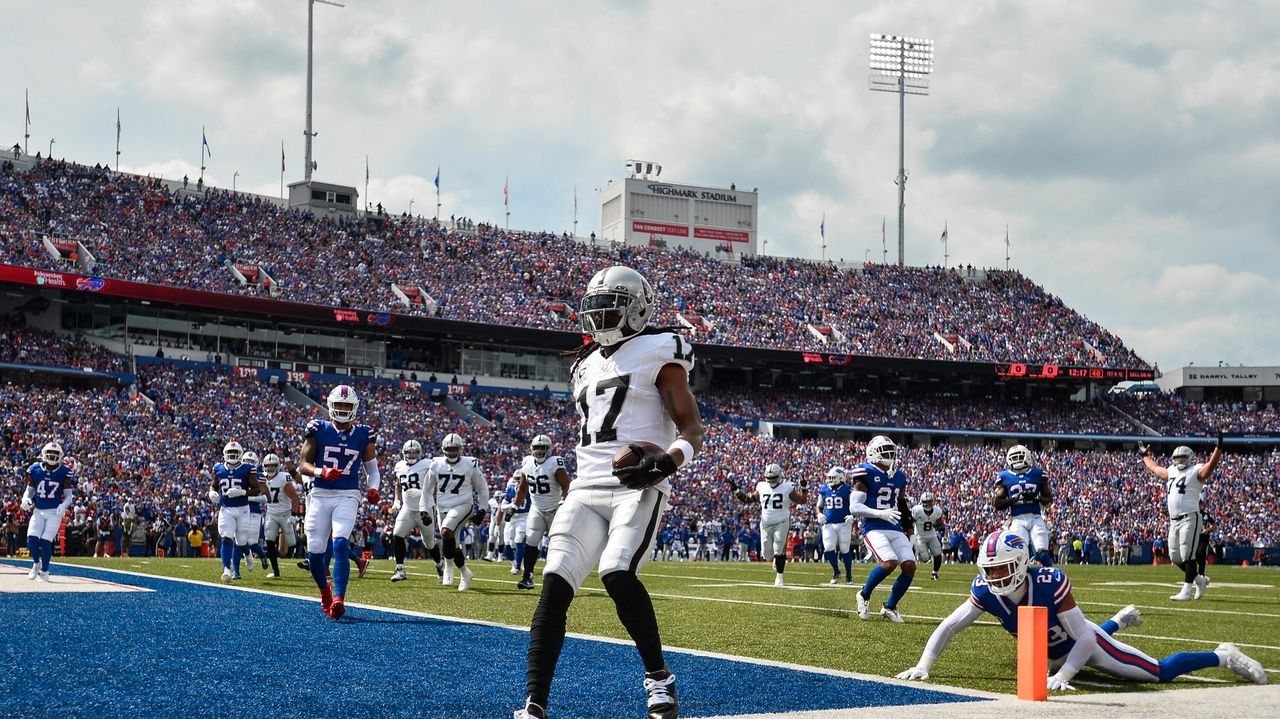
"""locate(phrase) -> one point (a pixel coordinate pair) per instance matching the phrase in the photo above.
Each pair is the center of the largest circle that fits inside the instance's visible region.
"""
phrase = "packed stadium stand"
(139, 229)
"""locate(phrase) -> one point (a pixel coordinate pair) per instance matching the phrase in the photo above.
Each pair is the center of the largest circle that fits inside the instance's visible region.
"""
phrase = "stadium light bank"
(902, 65)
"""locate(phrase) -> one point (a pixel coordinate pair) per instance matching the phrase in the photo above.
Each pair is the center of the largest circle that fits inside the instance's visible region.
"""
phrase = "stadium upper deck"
(139, 230)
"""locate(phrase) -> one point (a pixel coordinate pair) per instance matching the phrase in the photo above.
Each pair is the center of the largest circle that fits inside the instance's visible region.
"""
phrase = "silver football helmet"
(618, 303)
(773, 474)
(271, 465)
(540, 447)
(1183, 457)
(926, 501)
(451, 447)
(1018, 458)
(411, 451)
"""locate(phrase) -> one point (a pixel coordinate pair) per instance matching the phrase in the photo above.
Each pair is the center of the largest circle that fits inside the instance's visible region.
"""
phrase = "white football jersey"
(278, 503)
(456, 485)
(926, 522)
(412, 478)
(618, 402)
(775, 502)
(1184, 487)
(540, 477)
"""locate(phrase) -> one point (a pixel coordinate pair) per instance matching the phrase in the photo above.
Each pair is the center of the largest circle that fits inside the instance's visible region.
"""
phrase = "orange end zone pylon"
(1033, 653)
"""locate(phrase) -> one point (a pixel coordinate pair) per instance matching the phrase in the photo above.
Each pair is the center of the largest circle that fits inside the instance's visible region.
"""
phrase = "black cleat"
(661, 686)
(526, 582)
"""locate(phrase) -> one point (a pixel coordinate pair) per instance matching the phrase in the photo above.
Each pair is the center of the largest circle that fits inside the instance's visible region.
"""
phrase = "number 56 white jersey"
(618, 402)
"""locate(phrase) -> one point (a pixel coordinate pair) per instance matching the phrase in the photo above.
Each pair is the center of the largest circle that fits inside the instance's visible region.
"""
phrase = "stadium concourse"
(138, 229)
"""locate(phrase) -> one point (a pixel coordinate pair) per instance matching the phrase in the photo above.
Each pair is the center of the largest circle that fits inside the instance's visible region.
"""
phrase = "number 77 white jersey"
(456, 485)
(618, 402)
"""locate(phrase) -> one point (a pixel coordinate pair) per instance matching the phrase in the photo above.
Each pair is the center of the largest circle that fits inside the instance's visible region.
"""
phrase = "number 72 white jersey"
(618, 402)
(775, 502)
(456, 485)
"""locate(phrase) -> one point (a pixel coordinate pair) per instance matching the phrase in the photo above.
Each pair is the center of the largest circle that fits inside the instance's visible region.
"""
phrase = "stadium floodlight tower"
(309, 133)
(902, 65)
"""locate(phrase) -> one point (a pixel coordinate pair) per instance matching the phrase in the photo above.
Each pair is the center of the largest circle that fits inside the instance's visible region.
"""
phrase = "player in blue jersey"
(1074, 642)
(1024, 491)
(257, 503)
(837, 531)
(233, 483)
(515, 520)
(333, 453)
(50, 487)
(880, 499)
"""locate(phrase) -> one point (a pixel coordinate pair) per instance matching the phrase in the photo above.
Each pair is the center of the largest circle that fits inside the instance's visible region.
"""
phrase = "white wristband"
(317, 473)
(686, 450)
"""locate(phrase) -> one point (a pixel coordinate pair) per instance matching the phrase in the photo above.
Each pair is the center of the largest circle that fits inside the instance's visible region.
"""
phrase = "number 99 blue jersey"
(343, 449)
(835, 502)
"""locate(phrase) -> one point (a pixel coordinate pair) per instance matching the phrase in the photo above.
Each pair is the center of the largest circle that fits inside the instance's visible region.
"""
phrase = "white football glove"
(850, 519)
(914, 674)
(889, 515)
(214, 496)
(395, 507)
(235, 493)
(822, 519)
(1058, 684)
(27, 504)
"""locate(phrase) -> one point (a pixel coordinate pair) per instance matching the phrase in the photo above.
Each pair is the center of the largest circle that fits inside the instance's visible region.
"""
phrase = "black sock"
(546, 636)
(937, 564)
(398, 549)
(1189, 571)
(530, 558)
(450, 546)
(460, 559)
(272, 552)
(434, 553)
(635, 610)
(779, 563)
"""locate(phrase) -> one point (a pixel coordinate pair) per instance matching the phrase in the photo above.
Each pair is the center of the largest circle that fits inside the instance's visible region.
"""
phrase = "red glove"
(373, 496)
(330, 474)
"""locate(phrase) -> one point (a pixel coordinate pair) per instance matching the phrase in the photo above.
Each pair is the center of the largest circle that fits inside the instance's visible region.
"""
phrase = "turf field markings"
(977, 693)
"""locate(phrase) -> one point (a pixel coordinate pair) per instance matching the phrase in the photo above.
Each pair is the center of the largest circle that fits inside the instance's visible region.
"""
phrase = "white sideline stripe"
(941, 688)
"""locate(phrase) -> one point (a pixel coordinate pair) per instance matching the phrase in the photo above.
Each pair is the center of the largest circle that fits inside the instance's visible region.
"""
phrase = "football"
(626, 457)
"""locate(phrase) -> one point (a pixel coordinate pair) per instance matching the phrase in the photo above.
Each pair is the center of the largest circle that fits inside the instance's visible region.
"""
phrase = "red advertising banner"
(710, 233)
(658, 228)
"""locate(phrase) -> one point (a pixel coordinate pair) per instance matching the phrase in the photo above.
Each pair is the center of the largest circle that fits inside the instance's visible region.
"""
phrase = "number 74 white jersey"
(540, 477)
(460, 484)
(617, 401)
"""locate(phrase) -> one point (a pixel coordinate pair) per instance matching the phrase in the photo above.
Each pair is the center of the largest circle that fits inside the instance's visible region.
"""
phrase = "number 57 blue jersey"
(343, 449)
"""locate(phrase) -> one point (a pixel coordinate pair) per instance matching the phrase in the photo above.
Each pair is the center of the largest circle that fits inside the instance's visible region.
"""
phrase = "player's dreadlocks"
(584, 351)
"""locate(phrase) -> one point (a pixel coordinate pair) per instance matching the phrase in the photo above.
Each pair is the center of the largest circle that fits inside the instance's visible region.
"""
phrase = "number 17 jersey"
(618, 402)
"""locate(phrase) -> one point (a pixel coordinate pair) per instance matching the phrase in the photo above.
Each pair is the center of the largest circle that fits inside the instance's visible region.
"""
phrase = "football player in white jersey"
(928, 517)
(630, 384)
(413, 508)
(775, 495)
(1184, 479)
(459, 487)
(543, 479)
(282, 504)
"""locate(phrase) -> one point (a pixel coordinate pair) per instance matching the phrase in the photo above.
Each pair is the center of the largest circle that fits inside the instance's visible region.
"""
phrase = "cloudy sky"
(1133, 148)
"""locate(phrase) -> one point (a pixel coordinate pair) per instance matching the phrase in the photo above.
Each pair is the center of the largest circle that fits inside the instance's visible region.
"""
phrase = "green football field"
(733, 608)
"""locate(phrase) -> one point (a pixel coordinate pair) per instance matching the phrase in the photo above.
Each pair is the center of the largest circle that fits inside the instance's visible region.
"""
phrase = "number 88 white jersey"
(618, 402)
(540, 477)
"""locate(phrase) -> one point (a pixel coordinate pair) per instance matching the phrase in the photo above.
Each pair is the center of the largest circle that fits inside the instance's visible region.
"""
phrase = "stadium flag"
(943, 239)
(282, 155)
(27, 98)
(366, 169)
(822, 227)
(506, 196)
(117, 126)
(437, 179)
(204, 142)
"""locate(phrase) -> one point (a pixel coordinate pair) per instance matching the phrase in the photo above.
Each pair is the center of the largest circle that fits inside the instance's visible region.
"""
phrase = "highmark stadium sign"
(693, 194)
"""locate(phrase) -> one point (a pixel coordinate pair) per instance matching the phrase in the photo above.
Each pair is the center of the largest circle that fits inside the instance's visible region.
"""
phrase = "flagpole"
(575, 210)
(506, 198)
(26, 124)
(366, 184)
(822, 232)
(1006, 246)
(203, 142)
(117, 139)
(884, 246)
(946, 239)
(437, 193)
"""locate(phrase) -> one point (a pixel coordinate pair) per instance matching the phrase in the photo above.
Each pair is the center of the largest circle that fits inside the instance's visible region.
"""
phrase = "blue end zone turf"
(188, 650)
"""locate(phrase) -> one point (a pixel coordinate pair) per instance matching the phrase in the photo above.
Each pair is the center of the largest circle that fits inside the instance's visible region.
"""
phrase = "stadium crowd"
(30, 345)
(144, 461)
(138, 229)
(925, 412)
(1168, 413)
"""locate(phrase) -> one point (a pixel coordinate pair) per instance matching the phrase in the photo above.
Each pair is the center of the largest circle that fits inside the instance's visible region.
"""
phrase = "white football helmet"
(343, 403)
(232, 454)
(451, 446)
(1018, 458)
(51, 454)
(835, 476)
(271, 465)
(1002, 549)
(773, 474)
(250, 458)
(411, 451)
(883, 452)
(618, 303)
(1183, 457)
(540, 447)
(926, 500)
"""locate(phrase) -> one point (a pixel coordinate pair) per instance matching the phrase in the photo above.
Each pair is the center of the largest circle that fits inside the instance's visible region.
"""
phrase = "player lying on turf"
(1074, 641)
